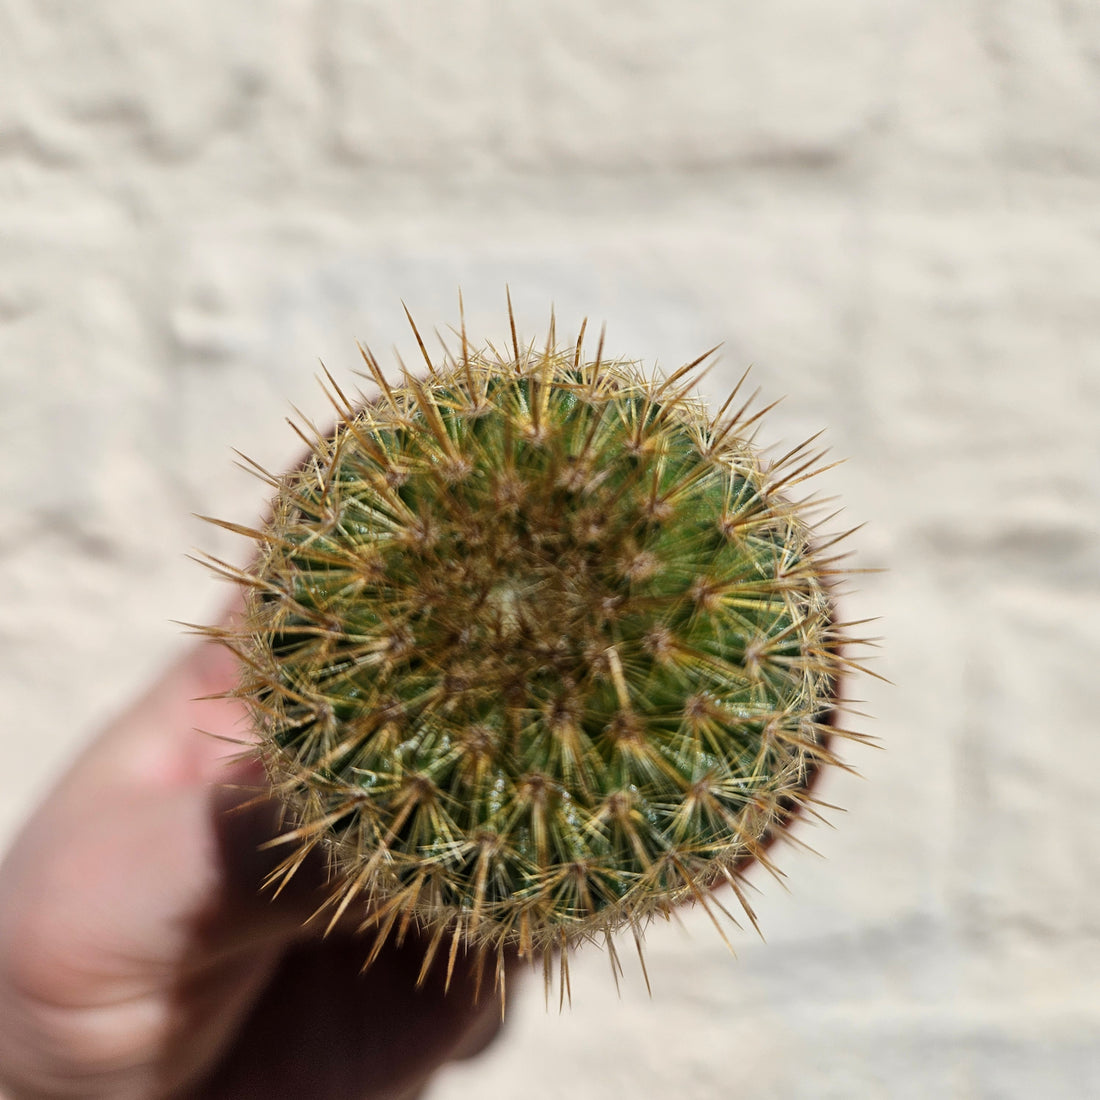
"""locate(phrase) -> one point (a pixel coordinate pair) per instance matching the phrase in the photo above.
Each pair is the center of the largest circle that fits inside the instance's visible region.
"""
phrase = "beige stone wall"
(890, 207)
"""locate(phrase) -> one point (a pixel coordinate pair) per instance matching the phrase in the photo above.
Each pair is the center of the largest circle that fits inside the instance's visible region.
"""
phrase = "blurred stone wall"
(890, 207)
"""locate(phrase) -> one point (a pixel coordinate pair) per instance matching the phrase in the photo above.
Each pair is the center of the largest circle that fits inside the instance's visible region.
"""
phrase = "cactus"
(536, 649)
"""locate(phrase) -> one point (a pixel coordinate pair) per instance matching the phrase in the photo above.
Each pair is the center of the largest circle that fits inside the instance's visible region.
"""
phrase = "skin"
(139, 958)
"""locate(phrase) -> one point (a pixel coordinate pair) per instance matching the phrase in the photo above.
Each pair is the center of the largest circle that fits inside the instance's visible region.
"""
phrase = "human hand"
(140, 960)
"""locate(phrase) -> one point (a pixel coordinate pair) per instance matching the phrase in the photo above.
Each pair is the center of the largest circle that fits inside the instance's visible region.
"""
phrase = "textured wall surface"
(891, 209)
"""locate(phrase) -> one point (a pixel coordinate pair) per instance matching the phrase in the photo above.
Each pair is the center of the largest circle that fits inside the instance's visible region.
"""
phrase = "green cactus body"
(536, 649)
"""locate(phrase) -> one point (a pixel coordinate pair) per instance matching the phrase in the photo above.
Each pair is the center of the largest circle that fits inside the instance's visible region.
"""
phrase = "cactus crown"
(537, 649)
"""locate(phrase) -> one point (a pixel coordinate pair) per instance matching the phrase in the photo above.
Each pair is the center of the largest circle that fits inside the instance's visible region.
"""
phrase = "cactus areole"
(537, 649)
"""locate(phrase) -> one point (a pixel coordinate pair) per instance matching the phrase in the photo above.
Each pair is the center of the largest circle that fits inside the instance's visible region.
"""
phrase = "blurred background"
(891, 209)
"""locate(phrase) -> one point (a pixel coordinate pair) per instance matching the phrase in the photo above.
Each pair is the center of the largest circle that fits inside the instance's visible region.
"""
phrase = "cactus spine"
(537, 649)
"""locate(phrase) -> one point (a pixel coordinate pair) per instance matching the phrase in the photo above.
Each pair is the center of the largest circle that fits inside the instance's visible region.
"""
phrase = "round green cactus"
(537, 649)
